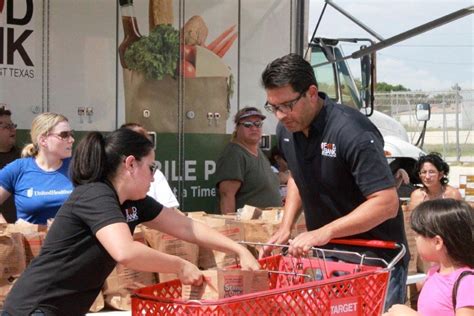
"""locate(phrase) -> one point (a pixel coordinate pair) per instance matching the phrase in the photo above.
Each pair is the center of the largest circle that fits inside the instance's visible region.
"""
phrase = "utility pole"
(457, 88)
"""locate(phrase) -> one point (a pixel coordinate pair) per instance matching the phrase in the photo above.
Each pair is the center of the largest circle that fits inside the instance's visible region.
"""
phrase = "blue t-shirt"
(38, 194)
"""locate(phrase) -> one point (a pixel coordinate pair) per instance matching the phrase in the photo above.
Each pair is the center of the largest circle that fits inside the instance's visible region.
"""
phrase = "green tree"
(387, 87)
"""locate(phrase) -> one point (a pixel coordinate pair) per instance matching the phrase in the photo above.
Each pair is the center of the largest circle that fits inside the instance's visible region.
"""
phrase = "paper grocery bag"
(33, 237)
(173, 246)
(249, 212)
(98, 304)
(258, 230)
(12, 255)
(209, 258)
(120, 284)
(5, 287)
(227, 283)
(12, 260)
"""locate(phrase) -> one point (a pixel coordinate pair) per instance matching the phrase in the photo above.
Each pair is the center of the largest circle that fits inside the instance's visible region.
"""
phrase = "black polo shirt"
(337, 166)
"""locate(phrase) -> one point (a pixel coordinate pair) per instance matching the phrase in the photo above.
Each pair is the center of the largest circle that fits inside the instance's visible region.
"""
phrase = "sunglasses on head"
(257, 124)
(63, 135)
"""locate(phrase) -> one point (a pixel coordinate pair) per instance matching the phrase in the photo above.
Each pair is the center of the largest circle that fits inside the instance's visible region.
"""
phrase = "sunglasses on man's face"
(64, 135)
(257, 124)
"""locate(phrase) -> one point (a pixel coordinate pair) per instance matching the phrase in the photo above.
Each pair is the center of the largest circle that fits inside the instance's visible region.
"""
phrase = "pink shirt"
(435, 297)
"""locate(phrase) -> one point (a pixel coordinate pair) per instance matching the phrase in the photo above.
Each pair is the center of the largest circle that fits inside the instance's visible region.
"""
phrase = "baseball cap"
(246, 112)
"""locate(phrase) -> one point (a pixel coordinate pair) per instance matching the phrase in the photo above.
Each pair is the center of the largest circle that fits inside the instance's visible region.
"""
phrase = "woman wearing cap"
(243, 173)
(39, 181)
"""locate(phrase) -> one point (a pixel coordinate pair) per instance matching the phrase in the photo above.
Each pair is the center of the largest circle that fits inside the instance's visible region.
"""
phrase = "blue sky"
(435, 60)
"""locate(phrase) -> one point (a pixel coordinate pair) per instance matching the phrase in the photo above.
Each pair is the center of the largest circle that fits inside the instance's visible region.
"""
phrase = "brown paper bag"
(227, 283)
(197, 214)
(5, 287)
(228, 216)
(258, 230)
(172, 246)
(98, 304)
(209, 258)
(272, 215)
(249, 212)
(33, 237)
(12, 255)
(412, 265)
(120, 284)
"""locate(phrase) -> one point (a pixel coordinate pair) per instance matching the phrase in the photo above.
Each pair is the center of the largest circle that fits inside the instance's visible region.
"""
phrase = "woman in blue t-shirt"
(39, 181)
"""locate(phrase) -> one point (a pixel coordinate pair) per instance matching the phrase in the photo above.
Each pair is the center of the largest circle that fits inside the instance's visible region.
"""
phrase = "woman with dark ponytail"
(93, 230)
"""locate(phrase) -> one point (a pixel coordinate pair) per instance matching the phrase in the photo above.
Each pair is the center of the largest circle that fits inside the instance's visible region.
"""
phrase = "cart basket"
(297, 286)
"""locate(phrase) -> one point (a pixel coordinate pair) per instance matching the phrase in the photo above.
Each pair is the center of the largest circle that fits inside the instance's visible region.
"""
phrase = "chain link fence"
(450, 130)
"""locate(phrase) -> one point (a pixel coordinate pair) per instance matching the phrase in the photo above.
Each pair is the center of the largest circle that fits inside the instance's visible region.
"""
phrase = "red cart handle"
(366, 243)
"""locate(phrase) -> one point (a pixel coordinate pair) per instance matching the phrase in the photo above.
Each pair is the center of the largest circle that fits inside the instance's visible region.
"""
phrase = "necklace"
(439, 195)
(253, 151)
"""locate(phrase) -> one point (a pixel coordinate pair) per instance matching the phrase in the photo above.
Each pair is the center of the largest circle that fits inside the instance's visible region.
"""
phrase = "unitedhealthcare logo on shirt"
(30, 192)
(328, 149)
(131, 214)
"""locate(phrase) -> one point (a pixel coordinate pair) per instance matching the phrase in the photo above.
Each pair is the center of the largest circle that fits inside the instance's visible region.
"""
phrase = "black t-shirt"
(337, 166)
(68, 274)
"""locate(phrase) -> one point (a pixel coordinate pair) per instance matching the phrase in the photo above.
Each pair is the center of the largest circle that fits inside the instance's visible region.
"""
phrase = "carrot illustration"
(224, 47)
(219, 39)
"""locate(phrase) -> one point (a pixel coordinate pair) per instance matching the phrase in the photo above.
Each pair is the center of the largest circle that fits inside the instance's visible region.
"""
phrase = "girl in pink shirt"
(445, 236)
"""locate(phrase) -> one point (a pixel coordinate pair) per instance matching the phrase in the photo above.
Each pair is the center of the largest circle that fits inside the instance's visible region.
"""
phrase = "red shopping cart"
(297, 286)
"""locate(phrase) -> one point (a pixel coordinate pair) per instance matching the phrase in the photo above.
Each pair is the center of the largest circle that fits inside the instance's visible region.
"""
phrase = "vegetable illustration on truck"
(155, 79)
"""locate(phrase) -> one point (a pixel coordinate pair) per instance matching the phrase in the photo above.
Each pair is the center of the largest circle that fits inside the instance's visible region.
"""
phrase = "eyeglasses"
(424, 173)
(257, 124)
(284, 107)
(8, 126)
(153, 167)
(64, 135)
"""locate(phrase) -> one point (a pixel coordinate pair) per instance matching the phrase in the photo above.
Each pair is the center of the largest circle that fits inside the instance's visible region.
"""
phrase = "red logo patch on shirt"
(328, 149)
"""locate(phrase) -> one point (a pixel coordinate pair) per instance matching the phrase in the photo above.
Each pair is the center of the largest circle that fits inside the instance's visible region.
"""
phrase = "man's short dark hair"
(291, 69)
(5, 112)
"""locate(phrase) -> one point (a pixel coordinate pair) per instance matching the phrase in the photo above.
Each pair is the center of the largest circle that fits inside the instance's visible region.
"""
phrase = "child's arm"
(399, 309)
(465, 311)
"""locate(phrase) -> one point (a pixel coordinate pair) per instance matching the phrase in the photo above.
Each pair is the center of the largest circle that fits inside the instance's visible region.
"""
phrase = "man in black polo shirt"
(339, 174)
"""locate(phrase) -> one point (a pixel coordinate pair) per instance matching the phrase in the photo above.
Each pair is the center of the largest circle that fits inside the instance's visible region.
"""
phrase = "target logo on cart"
(348, 306)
